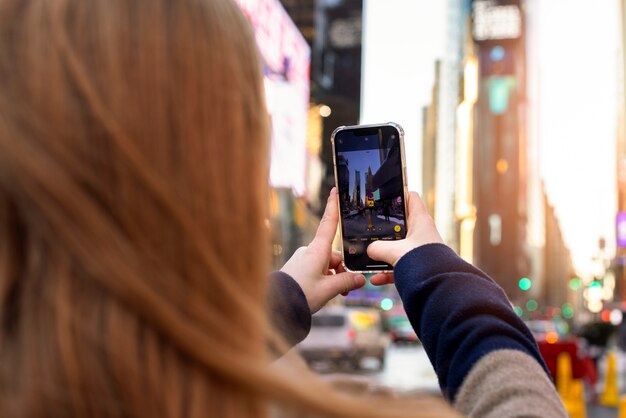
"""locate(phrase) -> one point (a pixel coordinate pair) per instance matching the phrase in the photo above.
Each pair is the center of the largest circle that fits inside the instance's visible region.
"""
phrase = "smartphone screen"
(371, 188)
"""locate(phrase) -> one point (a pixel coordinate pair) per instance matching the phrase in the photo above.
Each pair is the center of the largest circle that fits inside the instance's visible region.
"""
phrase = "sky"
(577, 71)
(575, 51)
(402, 40)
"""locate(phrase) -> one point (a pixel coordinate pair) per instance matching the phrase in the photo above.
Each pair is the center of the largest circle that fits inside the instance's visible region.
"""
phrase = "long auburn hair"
(134, 146)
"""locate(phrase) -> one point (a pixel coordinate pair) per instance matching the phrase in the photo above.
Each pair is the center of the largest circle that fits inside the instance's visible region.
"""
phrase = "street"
(357, 225)
(408, 370)
(596, 411)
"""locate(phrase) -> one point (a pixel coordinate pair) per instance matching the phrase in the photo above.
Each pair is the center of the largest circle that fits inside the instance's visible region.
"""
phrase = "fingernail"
(359, 279)
(333, 191)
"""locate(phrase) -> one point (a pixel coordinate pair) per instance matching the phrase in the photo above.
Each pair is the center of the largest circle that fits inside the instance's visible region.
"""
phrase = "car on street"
(400, 330)
(345, 336)
(548, 330)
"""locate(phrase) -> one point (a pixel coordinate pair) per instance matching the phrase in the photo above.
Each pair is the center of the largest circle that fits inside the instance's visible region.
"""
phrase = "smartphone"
(370, 174)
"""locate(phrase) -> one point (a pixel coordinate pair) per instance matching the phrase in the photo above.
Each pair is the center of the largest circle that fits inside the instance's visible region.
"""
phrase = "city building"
(536, 220)
(499, 148)
(429, 145)
(333, 29)
(357, 185)
(619, 263)
(303, 13)
(458, 16)
(558, 267)
(336, 72)
(446, 155)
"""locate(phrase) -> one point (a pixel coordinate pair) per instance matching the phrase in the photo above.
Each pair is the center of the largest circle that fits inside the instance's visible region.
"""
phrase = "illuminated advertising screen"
(496, 20)
(621, 230)
(286, 58)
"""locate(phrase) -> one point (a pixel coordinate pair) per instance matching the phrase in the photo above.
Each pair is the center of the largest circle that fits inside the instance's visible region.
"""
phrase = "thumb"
(341, 283)
(384, 251)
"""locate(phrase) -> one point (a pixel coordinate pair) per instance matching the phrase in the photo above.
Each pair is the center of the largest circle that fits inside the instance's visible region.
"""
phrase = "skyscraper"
(343, 175)
(336, 70)
(357, 187)
(369, 183)
(382, 151)
(499, 156)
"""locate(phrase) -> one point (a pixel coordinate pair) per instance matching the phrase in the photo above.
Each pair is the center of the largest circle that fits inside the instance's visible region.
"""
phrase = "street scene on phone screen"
(363, 212)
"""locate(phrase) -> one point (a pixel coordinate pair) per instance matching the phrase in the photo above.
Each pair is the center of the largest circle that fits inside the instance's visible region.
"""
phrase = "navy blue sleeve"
(458, 312)
(288, 308)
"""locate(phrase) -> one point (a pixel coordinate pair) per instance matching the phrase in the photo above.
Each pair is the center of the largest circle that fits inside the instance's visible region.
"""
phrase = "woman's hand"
(420, 230)
(317, 268)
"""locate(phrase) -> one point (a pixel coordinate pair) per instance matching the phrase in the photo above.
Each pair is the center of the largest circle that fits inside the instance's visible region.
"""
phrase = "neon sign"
(281, 44)
(286, 57)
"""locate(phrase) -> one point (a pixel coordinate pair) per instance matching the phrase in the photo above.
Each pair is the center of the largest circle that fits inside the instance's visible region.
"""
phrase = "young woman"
(134, 149)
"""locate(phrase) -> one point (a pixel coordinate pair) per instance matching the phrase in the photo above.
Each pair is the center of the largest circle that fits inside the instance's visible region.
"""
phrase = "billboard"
(286, 62)
(496, 20)
(621, 229)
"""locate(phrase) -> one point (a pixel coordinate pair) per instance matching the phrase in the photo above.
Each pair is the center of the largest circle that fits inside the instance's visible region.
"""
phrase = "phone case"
(404, 181)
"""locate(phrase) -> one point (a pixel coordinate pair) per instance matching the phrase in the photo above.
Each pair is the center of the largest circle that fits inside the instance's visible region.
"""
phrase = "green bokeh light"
(568, 311)
(532, 305)
(386, 304)
(525, 283)
(575, 283)
(518, 310)
(499, 93)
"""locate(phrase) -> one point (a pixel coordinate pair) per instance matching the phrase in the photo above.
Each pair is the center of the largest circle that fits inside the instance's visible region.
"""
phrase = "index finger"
(381, 279)
(416, 207)
(336, 259)
(327, 228)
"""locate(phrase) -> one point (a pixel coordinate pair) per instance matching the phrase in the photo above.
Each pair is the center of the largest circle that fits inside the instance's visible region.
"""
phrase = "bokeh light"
(525, 283)
(386, 304)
